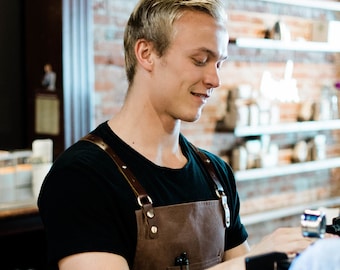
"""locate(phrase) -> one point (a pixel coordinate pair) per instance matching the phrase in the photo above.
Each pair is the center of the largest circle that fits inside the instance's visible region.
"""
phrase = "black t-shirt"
(87, 205)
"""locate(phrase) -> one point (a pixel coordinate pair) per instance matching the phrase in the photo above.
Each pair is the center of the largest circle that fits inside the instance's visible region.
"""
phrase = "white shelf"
(287, 211)
(292, 127)
(294, 168)
(327, 5)
(305, 46)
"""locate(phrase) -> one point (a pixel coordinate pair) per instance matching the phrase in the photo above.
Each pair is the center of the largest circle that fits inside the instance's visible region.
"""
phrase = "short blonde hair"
(152, 20)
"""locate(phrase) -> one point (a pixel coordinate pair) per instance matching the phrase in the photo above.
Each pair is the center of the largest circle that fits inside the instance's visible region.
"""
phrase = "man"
(49, 78)
(154, 201)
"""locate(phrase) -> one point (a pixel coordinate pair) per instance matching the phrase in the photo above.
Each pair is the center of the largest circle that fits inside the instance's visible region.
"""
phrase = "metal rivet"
(150, 213)
(154, 229)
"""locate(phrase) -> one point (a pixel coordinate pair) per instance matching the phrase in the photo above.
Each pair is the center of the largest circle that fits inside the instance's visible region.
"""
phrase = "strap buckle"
(143, 200)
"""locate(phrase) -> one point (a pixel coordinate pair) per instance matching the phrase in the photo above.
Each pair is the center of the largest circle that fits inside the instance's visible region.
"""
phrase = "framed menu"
(47, 114)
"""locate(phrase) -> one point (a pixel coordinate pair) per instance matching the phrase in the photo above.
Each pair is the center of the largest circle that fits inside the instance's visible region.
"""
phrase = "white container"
(7, 177)
(23, 168)
(253, 148)
(239, 158)
(39, 173)
(7, 171)
(236, 116)
(270, 158)
(43, 149)
(254, 115)
(318, 149)
(334, 32)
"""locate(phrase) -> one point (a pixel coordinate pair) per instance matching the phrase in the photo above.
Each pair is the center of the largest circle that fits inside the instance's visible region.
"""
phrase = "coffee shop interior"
(275, 118)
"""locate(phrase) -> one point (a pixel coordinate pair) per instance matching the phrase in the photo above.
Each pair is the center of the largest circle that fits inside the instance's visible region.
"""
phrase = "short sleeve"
(81, 212)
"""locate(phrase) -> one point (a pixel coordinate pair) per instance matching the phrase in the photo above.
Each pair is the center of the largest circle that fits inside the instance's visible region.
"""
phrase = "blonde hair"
(152, 20)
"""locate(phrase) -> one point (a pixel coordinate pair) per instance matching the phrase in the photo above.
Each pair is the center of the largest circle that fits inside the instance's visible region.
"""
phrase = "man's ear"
(144, 54)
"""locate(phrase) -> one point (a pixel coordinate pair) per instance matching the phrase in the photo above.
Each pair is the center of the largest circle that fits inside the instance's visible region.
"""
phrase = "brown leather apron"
(165, 232)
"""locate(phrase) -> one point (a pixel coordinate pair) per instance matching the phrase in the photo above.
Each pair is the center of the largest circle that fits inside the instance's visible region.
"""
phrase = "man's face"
(186, 75)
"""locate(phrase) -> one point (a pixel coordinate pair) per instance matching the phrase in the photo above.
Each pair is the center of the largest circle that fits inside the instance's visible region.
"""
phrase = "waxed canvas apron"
(197, 228)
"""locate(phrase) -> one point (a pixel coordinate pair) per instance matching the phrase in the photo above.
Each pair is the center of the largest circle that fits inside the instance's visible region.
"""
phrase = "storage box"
(326, 31)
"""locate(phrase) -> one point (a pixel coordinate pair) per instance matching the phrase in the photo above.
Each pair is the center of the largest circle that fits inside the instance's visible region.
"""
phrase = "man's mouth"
(200, 95)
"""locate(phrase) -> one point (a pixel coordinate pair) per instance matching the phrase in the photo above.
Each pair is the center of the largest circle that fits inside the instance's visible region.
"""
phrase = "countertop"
(18, 217)
(18, 208)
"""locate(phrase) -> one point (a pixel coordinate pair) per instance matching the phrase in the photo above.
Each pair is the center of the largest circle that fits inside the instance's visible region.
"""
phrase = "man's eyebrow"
(213, 54)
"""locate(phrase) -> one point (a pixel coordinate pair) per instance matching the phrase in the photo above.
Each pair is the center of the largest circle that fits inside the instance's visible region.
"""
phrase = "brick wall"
(245, 66)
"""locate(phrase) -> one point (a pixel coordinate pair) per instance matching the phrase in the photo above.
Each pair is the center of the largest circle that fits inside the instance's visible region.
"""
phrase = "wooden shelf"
(253, 174)
(288, 211)
(327, 5)
(282, 128)
(271, 44)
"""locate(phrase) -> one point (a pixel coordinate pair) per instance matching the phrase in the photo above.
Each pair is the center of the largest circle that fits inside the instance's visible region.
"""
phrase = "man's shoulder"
(83, 152)
(220, 164)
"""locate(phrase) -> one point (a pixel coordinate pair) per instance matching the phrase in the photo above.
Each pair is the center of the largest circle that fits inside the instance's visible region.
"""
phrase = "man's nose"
(212, 77)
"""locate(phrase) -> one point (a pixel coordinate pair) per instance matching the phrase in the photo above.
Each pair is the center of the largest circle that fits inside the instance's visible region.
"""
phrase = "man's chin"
(191, 119)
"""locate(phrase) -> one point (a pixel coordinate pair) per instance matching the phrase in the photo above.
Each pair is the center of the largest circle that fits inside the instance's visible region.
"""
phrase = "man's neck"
(151, 136)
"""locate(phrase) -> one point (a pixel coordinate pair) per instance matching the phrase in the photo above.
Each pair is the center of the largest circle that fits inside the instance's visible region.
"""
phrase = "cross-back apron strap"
(142, 197)
(218, 187)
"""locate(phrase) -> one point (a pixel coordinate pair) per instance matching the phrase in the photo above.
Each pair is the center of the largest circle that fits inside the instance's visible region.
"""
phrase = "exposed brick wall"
(245, 66)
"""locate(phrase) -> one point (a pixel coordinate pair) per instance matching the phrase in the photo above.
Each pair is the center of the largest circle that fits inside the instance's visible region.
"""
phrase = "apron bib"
(195, 228)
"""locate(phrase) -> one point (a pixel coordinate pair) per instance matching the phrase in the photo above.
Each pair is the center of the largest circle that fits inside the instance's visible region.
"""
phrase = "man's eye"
(200, 62)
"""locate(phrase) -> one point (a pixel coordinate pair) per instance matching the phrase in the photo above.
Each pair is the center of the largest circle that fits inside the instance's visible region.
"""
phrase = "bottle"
(334, 103)
(325, 108)
(337, 94)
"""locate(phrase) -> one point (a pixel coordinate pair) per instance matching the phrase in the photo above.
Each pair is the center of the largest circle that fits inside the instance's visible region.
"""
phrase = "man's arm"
(233, 259)
(92, 261)
(110, 261)
(287, 240)
(238, 251)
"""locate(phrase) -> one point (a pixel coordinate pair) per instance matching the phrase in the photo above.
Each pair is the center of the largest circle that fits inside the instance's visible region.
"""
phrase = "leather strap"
(211, 170)
(141, 194)
(142, 197)
(218, 187)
